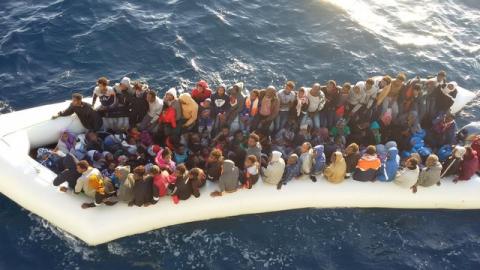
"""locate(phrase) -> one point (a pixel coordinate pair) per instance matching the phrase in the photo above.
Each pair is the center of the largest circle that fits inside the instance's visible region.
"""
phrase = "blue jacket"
(388, 171)
(319, 157)
(290, 172)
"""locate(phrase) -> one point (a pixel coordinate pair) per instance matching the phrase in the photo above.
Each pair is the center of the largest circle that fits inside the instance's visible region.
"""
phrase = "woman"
(430, 175)
(352, 156)
(468, 165)
(336, 171)
(220, 101)
(388, 171)
(228, 182)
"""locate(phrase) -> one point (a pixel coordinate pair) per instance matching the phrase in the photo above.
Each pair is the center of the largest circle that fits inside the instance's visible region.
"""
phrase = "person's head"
(92, 136)
(292, 159)
(77, 99)
(386, 80)
(441, 76)
(346, 88)
(411, 163)
(82, 166)
(306, 146)
(180, 149)
(139, 170)
(371, 150)
(124, 84)
(250, 160)
(253, 139)
(215, 155)
(315, 89)
(151, 96)
(449, 117)
(202, 85)
(180, 170)
(221, 90)
(238, 135)
(352, 148)
(167, 154)
(289, 86)
(154, 170)
(417, 157)
(102, 84)
(401, 77)
(301, 92)
(431, 161)
(270, 91)
(369, 84)
(170, 95)
(138, 86)
(64, 137)
(225, 130)
(331, 85)
(254, 94)
(356, 89)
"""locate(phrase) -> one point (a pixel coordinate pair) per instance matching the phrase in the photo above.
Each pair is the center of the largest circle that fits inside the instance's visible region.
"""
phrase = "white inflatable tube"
(29, 184)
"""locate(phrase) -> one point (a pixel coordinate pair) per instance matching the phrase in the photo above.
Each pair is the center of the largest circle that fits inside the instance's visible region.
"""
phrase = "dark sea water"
(49, 49)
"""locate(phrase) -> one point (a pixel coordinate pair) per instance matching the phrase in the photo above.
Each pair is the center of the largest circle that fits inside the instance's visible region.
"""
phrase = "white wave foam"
(425, 23)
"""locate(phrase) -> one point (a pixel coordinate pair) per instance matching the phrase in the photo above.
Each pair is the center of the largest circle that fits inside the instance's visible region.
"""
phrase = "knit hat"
(202, 83)
(153, 150)
(125, 81)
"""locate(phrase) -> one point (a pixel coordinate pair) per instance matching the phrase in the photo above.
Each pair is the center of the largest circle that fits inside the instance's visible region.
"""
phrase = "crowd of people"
(382, 129)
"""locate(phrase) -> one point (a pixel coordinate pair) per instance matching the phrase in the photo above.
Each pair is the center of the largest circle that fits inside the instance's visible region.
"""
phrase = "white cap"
(125, 81)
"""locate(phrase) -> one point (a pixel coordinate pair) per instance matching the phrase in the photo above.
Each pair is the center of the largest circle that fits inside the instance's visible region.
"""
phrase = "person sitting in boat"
(198, 178)
(253, 146)
(162, 179)
(336, 171)
(228, 181)
(443, 131)
(205, 116)
(306, 160)
(170, 99)
(144, 191)
(106, 95)
(183, 189)
(201, 92)
(214, 165)
(430, 175)
(69, 174)
(319, 160)
(292, 170)
(189, 111)
(66, 143)
(126, 184)
(408, 176)
(273, 173)
(352, 156)
(251, 172)
(102, 191)
(452, 164)
(181, 153)
(468, 166)
(367, 166)
(389, 168)
(138, 104)
(250, 110)
(83, 181)
(155, 106)
(164, 160)
(89, 118)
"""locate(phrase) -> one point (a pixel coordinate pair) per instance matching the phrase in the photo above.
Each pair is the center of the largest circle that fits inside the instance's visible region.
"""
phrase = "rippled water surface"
(49, 49)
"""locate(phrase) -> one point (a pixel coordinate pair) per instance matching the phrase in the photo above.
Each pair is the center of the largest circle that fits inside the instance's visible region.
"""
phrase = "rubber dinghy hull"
(29, 184)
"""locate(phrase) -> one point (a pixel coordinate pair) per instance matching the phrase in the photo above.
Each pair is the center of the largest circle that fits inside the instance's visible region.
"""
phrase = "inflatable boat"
(29, 184)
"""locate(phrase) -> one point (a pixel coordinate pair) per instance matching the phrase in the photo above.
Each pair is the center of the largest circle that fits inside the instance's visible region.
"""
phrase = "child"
(306, 160)
(183, 187)
(164, 160)
(341, 130)
(143, 190)
(198, 179)
(161, 180)
(250, 176)
(319, 160)
(181, 154)
(292, 170)
(352, 155)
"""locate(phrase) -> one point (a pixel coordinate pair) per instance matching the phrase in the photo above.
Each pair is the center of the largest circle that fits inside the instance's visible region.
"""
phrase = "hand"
(63, 189)
(414, 189)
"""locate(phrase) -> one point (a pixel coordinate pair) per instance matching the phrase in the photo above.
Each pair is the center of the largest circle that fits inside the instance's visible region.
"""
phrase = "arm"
(67, 112)
(156, 113)
(192, 119)
(94, 99)
(79, 185)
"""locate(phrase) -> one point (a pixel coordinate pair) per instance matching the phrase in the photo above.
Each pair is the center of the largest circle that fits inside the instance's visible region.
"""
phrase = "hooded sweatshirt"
(335, 172)
(406, 177)
(175, 103)
(162, 180)
(274, 171)
(228, 181)
(164, 164)
(429, 176)
(123, 171)
(468, 166)
(319, 158)
(220, 104)
(291, 171)
(189, 109)
(389, 168)
(125, 192)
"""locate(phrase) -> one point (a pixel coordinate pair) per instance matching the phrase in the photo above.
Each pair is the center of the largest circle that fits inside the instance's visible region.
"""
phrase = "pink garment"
(163, 164)
(162, 180)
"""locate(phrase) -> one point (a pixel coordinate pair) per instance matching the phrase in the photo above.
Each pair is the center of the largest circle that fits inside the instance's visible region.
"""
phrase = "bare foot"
(63, 189)
(216, 194)
(87, 205)
(439, 183)
(414, 189)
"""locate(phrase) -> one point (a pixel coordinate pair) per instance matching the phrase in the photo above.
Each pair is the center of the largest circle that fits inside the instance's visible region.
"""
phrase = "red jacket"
(168, 117)
(201, 96)
(468, 167)
(161, 181)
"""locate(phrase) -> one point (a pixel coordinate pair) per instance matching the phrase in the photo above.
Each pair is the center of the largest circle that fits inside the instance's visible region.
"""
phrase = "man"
(89, 118)
(316, 102)
(92, 184)
(105, 94)
(155, 106)
(328, 113)
(287, 98)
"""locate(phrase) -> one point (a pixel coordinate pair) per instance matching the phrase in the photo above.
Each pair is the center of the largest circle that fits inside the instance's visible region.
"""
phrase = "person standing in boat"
(332, 96)
(286, 97)
(106, 95)
(316, 102)
(89, 118)
(155, 106)
(138, 104)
